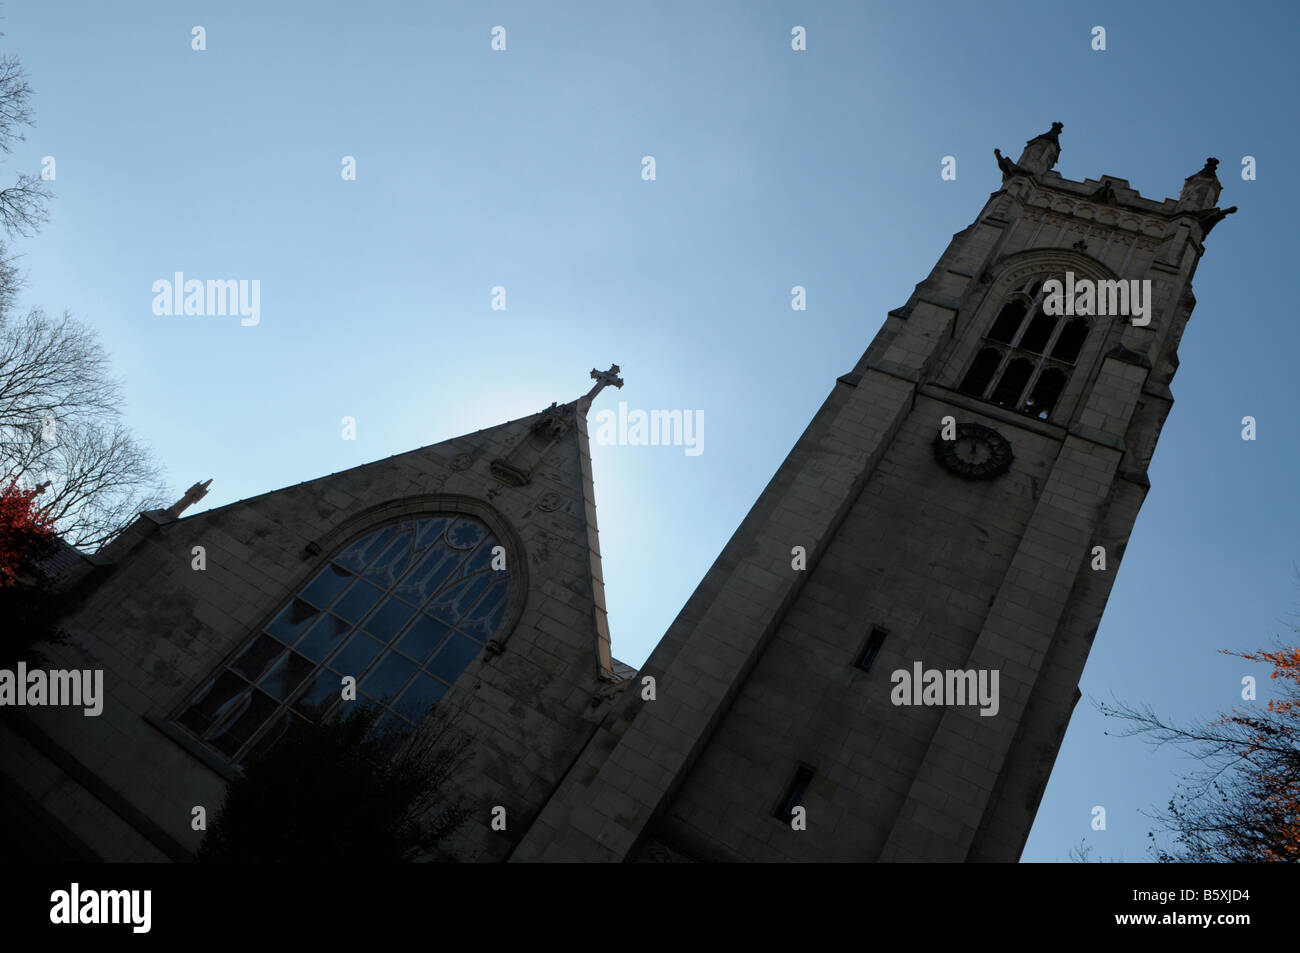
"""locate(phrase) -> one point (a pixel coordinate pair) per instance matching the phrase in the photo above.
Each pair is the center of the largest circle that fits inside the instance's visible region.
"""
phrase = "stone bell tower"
(960, 504)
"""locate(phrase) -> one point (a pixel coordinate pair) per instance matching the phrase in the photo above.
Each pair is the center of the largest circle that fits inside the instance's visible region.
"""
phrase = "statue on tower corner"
(1006, 165)
(1201, 190)
(1040, 154)
(1052, 134)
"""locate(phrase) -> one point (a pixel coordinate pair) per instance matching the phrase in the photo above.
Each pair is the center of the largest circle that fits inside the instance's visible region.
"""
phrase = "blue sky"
(774, 168)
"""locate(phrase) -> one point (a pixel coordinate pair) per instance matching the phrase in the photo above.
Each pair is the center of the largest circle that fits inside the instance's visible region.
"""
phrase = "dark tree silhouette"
(338, 790)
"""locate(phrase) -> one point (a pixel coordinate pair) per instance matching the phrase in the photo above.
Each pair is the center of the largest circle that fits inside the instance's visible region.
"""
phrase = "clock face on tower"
(976, 453)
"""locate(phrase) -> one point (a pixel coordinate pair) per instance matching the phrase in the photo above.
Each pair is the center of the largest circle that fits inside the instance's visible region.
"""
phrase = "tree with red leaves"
(29, 605)
(26, 533)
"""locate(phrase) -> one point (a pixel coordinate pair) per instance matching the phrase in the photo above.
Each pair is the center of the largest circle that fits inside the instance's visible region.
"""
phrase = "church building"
(879, 666)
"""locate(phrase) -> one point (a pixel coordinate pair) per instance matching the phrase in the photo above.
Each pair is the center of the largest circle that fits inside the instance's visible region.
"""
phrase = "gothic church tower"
(962, 502)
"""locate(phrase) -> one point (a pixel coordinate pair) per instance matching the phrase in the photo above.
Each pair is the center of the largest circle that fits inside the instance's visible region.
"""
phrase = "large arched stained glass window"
(404, 609)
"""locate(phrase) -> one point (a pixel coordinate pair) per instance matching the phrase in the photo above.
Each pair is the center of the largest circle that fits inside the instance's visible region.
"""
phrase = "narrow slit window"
(794, 794)
(871, 649)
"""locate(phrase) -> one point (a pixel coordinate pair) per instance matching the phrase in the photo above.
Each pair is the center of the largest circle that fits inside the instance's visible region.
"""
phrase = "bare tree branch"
(60, 425)
(15, 102)
(1242, 803)
(24, 205)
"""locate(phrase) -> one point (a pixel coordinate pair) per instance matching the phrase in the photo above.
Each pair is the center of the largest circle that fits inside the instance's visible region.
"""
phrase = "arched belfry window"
(403, 609)
(1027, 354)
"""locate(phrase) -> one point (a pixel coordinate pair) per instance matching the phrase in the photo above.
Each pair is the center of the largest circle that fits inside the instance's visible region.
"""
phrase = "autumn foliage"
(26, 533)
(1269, 808)
(1242, 805)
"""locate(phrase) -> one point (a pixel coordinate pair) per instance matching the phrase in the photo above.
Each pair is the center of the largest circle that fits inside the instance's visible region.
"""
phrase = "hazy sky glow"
(774, 168)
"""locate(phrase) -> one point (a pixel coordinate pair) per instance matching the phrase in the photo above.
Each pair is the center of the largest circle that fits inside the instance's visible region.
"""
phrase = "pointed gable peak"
(549, 426)
(533, 451)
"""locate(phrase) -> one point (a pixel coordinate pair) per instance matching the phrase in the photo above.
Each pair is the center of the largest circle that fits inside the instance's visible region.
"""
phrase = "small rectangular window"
(794, 794)
(871, 649)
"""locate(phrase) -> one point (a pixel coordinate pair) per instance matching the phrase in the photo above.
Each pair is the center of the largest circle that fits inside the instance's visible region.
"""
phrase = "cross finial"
(603, 378)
